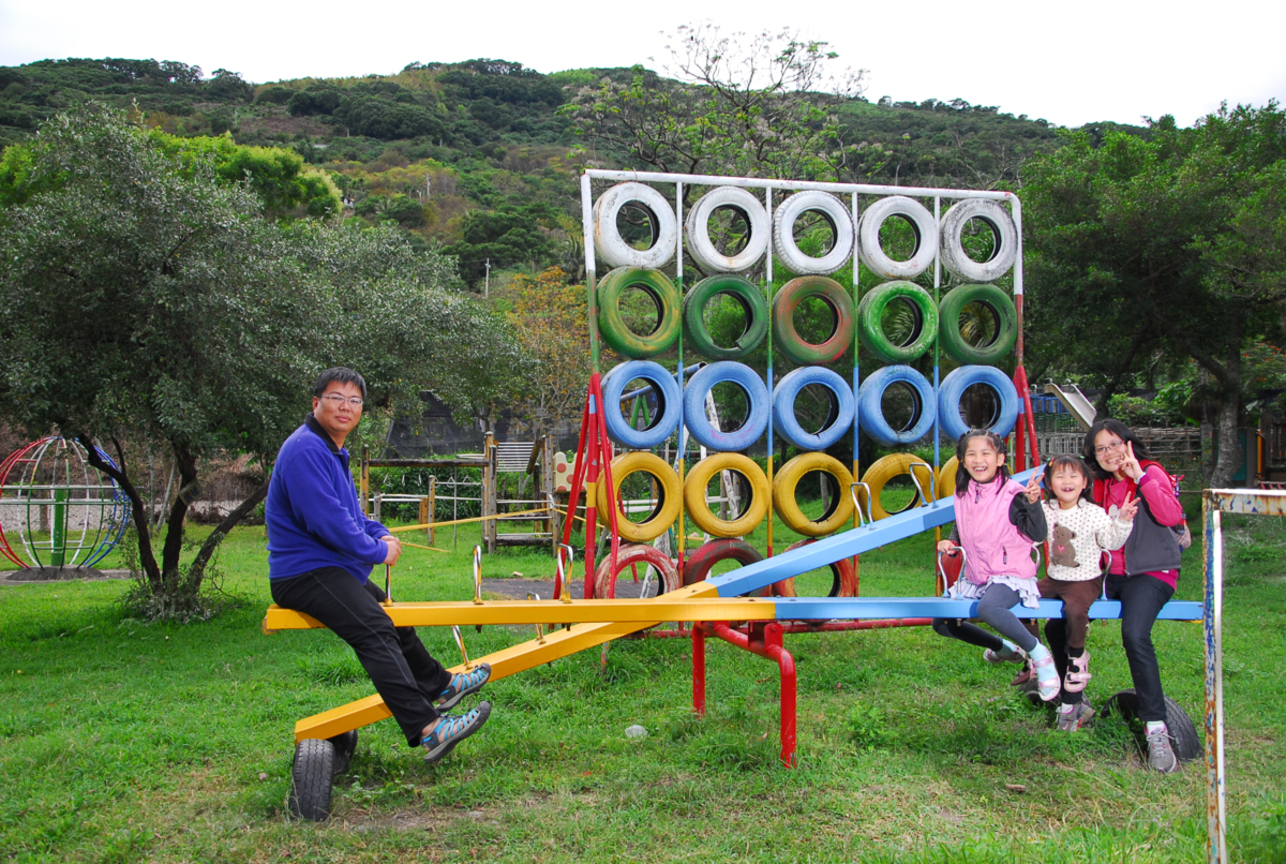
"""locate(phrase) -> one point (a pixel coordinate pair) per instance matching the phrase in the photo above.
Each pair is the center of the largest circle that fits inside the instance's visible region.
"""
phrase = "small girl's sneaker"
(1073, 717)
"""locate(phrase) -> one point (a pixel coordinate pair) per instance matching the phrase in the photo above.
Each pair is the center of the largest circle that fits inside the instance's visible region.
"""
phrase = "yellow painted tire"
(947, 478)
(841, 513)
(885, 469)
(666, 510)
(694, 495)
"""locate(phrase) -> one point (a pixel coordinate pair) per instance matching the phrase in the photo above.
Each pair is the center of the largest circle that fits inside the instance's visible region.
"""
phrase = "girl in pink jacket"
(998, 521)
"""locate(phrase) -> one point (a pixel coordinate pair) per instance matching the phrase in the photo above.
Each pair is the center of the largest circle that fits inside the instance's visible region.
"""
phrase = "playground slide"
(1075, 402)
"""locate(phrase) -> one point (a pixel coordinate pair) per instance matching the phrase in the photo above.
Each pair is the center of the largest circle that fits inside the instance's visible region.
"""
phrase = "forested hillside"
(482, 157)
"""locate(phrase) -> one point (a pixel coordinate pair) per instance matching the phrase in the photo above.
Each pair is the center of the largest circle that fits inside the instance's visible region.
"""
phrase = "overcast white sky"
(1070, 63)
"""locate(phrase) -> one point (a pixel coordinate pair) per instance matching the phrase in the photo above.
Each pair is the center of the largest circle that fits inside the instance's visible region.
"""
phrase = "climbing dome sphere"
(63, 510)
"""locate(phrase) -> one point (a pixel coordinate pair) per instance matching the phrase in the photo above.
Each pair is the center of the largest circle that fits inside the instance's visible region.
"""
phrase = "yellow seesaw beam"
(520, 657)
(673, 606)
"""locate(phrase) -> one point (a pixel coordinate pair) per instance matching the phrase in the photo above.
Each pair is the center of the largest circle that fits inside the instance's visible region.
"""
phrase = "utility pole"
(486, 285)
(428, 179)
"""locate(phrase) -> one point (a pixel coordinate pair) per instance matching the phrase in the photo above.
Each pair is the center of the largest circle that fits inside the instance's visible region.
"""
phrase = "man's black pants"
(400, 667)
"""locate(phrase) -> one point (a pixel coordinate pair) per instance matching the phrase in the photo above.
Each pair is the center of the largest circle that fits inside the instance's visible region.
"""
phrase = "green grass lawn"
(122, 741)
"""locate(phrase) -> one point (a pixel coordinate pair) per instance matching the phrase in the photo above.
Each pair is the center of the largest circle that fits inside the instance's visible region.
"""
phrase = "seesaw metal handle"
(563, 588)
(863, 516)
(952, 591)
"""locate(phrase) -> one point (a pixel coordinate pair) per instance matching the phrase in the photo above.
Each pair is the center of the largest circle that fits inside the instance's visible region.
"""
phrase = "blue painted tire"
(667, 409)
(783, 408)
(694, 406)
(952, 392)
(871, 393)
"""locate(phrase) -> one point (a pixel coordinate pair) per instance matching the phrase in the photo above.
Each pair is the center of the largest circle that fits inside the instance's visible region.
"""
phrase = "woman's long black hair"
(1120, 430)
(962, 473)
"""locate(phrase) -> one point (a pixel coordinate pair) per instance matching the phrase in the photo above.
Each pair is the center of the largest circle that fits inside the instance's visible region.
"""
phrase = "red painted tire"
(845, 575)
(787, 339)
(699, 564)
(631, 555)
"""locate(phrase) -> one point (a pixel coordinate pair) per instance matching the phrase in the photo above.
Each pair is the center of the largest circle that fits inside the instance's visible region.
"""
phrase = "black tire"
(1187, 742)
(310, 779)
(344, 745)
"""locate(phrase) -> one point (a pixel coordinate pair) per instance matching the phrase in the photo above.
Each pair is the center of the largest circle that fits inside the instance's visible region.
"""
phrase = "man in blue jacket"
(321, 549)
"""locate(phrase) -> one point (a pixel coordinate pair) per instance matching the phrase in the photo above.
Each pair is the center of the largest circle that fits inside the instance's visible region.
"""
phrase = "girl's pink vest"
(993, 546)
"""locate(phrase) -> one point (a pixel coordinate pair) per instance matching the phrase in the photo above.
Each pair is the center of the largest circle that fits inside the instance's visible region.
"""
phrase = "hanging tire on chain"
(1187, 742)
(886, 468)
(870, 399)
(916, 302)
(787, 338)
(1004, 251)
(753, 305)
(694, 406)
(838, 512)
(833, 212)
(311, 775)
(696, 235)
(951, 395)
(922, 225)
(843, 576)
(839, 418)
(989, 300)
(613, 248)
(668, 403)
(698, 508)
(611, 322)
(632, 556)
(664, 511)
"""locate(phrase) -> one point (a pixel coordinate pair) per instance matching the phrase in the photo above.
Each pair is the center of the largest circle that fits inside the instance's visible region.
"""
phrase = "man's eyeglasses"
(1108, 448)
(336, 400)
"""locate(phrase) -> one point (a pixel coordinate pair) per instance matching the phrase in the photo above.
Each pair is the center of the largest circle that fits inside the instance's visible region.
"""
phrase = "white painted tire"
(611, 246)
(783, 233)
(697, 230)
(959, 264)
(926, 238)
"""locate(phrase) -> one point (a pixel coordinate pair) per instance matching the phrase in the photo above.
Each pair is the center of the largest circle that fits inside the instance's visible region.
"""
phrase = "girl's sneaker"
(1073, 717)
(462, 684)
(1046, 673)
(1078, 673)
(1160, 754)
(451, 729)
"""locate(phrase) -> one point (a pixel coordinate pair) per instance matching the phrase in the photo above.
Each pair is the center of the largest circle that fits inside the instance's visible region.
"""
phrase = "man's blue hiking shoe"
(462, 685)
(451, 729)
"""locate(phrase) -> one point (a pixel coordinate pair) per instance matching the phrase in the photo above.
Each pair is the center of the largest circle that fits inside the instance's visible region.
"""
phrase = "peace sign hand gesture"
(1128, 508)
(1130, 464)
(1033, 490)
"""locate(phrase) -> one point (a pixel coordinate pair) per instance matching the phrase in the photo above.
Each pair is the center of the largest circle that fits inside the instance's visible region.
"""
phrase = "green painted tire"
(788, 339)
(1001, 307)
(870, 314)
(611, 325)
(752, 303)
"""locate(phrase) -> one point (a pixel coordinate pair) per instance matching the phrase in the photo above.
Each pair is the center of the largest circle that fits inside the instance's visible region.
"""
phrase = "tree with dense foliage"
(745, 107)
(145, 298)
(1175, 243)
